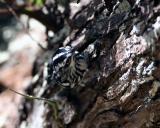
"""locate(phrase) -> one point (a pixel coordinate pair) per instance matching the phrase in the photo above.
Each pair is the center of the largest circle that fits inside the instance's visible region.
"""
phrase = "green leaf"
(38, 3)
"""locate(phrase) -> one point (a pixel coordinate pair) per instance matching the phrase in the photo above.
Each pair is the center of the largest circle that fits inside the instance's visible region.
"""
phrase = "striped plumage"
(67, 67)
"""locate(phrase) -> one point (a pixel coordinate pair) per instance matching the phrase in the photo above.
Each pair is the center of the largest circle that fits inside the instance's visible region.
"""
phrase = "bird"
(68, 66)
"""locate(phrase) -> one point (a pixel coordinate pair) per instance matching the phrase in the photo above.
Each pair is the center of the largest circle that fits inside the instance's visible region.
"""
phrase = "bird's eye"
(68, 61)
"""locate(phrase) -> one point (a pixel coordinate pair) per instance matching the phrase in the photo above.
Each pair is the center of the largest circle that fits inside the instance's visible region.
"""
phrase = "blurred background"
(30, 30)
(19, 38)
(18, 51)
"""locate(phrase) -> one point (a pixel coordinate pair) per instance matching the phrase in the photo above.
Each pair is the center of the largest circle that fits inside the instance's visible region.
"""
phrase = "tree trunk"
(122, 84)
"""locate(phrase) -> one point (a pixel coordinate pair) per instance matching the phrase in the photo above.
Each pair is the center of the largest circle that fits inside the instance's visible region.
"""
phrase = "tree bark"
(123, 83)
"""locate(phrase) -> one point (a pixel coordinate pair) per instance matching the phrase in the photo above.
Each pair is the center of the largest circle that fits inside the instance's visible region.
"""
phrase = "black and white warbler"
(67, 66)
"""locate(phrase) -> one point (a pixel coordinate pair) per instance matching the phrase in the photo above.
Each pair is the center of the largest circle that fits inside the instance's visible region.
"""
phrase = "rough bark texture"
(123, 83)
